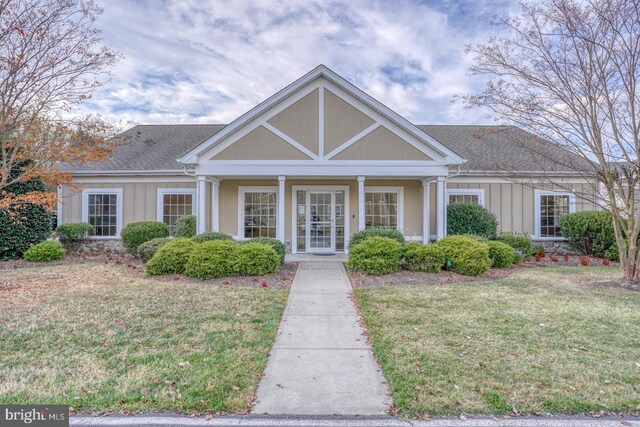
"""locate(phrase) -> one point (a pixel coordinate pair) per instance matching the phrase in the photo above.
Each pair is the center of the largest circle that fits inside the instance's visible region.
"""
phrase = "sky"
(209, 61)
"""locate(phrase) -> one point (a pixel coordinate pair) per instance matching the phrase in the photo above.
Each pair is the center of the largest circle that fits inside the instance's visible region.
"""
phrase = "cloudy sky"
(197, 61)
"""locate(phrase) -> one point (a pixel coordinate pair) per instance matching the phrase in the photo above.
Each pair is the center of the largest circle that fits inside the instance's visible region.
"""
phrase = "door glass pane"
(340, 219)
(301, 220)
(320, 220)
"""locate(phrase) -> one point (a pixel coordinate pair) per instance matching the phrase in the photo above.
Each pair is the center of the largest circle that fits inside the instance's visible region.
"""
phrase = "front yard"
(544, 340)
(99, 338)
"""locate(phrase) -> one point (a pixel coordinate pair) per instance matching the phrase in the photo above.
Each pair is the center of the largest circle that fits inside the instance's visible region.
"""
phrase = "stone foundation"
(554, 247)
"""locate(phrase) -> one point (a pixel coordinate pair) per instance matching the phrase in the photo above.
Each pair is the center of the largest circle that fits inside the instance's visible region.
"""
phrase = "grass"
(545, 340)
(99, 339)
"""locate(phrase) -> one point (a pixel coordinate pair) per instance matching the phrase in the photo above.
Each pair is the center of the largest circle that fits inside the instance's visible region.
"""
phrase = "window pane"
(174, 206)
(381, 210)
(552, 207)
(260, 214)
(102, 213)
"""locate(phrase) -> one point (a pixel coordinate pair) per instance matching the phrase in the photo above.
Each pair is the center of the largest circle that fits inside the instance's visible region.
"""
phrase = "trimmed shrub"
(72, 234)
(171, 258)
(376, 255)
(212, 259)
(471, 218)
(467, 256)
(362, 235)
(589, 232)
(518, 241)
(428, 258)
(256, 259)
(44, 252)
(207, 237)
(136, 233)
(185, 226)
(501, 254)
(276, 244)
(147, 250)
(27, 224)
(612, 252)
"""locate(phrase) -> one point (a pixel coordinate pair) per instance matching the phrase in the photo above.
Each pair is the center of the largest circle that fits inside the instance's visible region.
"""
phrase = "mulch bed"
(415, 278)
(282, 279)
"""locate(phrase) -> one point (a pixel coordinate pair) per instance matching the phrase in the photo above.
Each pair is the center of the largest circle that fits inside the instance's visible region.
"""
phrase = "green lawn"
(98, 338)
(545, 340)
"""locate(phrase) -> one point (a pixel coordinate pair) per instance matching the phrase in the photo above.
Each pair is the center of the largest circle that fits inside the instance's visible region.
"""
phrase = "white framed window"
(549, 207)
(257, 212)
(465, 195)
(102, 208)
(172, 203)
(384, 207)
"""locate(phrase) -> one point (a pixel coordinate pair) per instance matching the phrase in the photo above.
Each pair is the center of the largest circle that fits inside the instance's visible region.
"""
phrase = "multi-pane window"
(259, 214)
(552, 207)
(174, 205)
(381, 209)
(101, 211)
(466, 196)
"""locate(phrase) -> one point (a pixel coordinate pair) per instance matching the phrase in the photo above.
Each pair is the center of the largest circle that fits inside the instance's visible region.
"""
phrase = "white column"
(215, 205)
(281, 194)
(426, 220)
(441, 209)
(202, 207)
(361, 224)
(59, 208)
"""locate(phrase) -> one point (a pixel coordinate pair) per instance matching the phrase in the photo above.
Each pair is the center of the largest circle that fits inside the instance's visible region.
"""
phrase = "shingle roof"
(504, 148)
(486, 148)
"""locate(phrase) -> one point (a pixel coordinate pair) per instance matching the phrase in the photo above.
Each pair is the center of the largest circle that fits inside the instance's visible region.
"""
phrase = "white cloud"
(192, 61)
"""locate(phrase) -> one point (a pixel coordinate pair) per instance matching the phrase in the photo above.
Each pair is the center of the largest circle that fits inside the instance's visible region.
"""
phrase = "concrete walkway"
(321, 363)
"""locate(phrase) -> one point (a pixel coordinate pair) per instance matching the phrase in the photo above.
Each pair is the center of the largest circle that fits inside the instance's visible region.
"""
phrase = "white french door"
(321, 221)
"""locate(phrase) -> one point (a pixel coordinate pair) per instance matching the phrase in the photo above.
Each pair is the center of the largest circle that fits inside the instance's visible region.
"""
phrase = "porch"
(317, 216)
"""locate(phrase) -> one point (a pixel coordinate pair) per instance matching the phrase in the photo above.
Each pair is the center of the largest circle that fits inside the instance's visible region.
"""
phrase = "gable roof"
(321, 71)
(489, 149)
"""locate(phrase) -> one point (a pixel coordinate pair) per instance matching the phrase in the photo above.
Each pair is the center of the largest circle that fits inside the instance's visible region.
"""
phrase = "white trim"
(133, 179)
(280, 215)
(202, 204)
(302, 87)
(441, 208)
(537, 219)
(295, 144)
(318, 169)
(129, 172)
(361, 203)
(321, 123)
(426, 210)
(160, 192)
(119, 201)
(215, 205)
(400, 197)
(250, 189)
(59, 206)
(467, 192)
(294, 204)
(514, 178)
(353, 140)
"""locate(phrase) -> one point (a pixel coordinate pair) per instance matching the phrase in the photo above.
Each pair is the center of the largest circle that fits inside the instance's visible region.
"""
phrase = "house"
(319, 160)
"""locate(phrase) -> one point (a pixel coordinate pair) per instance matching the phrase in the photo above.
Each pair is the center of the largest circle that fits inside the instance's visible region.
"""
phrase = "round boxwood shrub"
(147, 250)
(185, 226)
(519, 241)
(256, 259)
(171, 258)
(24, 225)
(588, 233)
(276, 244)
(206, 237)
(501, 254)
(427, 258)
(471, 218)
(212, 259)
(467, 255)
(72, 234)
(136, 233)
(376, 255)
(362, 235)
(45, 251)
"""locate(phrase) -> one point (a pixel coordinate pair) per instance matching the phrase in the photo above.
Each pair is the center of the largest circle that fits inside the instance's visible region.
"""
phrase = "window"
(174, 203)
(550, 206)
(102, 208)
(258, 212)
(383, 207)
(465, 196)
